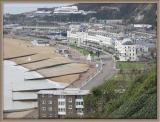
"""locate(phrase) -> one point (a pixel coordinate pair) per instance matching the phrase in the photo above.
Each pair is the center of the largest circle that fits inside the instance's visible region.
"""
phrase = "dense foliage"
(138, 101)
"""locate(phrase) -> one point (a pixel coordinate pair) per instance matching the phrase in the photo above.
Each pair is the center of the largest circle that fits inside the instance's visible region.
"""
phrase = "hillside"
(137, 13)
(131, 13)
(138, 101)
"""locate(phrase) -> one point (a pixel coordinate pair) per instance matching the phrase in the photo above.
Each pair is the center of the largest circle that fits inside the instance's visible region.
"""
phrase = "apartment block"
(68, 103)
(127, 50)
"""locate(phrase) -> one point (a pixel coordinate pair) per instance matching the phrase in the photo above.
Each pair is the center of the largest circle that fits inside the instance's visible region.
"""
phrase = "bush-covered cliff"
(138, 101)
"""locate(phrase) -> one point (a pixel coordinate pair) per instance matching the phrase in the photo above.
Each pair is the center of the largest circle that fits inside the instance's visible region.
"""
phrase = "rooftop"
(127, 41)
(68, 91)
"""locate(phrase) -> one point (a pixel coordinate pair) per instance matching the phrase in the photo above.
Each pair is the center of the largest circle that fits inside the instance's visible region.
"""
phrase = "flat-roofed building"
(67, 103)
(40, 42)
(66, 10)
(114, 21)
(42, 13)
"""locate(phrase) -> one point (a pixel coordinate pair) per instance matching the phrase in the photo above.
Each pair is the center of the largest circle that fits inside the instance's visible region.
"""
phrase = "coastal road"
(108, 70)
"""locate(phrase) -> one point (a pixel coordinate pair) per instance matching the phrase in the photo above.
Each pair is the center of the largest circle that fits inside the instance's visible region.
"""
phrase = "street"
(106, 73)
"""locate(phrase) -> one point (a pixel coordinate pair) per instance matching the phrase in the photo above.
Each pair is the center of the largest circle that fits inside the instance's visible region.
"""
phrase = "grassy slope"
(130, 65)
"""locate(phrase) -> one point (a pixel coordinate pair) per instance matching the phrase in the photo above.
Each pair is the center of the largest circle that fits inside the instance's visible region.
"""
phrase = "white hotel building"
(88, 39)
(127, 50)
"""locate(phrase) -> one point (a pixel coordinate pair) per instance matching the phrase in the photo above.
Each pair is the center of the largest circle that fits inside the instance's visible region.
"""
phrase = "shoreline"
(15, 82)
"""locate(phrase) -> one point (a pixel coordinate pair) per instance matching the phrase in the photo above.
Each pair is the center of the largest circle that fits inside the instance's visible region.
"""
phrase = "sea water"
(14, 83)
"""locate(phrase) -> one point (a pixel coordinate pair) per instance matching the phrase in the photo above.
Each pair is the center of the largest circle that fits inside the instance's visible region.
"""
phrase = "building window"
(61, 103)
(49, 108)
(61, 96)
(79, 110)
(79, 103)
(43, 115)
(61, 109)
(70, 99)
(50, 95)
(43, 102)
(70, 107)
(79, 97)
(43, 108)
(50, 115)
(50, 102)
(42, 95)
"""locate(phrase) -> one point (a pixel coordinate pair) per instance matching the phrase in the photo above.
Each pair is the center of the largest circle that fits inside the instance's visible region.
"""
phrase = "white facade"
(96, 36)
(81, 38)
(128, 51)
(66, 10)
(61, 105)
(142, 25)
(42, 13)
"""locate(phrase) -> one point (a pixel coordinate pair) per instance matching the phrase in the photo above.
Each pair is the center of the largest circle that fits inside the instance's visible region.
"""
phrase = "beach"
(34, 57)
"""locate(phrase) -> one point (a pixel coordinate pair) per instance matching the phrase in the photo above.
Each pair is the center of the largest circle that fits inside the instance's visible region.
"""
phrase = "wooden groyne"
(46, 67)
(20, 56)
(33, 90)
(32, 61)
(43, 78)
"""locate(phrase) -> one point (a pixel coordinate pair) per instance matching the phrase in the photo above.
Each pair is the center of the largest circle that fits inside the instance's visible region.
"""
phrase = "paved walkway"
(108, 70)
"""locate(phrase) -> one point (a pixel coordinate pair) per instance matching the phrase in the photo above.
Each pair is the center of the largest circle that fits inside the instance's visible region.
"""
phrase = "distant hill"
(130, 12)
(134, 12)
